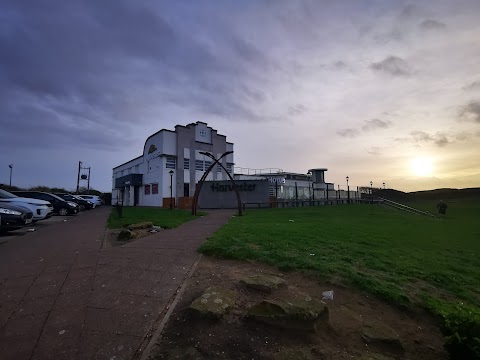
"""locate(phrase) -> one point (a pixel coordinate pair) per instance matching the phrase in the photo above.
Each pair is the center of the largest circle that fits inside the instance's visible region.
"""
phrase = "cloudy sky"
(382, 91)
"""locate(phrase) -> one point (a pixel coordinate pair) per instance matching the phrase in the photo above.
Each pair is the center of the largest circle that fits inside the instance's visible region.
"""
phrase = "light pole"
(11, 169)
(383, 186)
(309, 176)
(171, 189)
(371, 191)
(348, 191)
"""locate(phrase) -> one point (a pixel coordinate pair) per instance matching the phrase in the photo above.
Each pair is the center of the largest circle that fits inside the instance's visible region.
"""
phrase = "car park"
(60, 206)
(93, 198)
(14, 217)
(82, 203)
(41, 209)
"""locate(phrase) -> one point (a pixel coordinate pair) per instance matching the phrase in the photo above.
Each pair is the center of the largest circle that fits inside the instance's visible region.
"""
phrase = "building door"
(136, 194)
(186, 190)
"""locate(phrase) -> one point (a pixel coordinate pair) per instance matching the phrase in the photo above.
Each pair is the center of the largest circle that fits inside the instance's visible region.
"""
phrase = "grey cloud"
(349, 133)
(472, 86)
(368, 125)
(393, 65)
(107, 64)
(439, 139)
(430, 24)
(374, 150)
(376, 124)
(471, 112)
(296, 110)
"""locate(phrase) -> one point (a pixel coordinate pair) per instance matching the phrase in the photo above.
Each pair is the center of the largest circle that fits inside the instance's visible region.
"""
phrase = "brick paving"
(62, 297)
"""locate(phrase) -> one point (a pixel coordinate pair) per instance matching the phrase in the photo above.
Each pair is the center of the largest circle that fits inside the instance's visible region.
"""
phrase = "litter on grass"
(327, 295)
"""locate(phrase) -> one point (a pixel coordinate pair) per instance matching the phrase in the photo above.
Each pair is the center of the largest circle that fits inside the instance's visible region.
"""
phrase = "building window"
(219, 169)
(186, 164)
(154, 188)
(147, 189)
(171, 162)
(199, 165)
(207, 164)
(229, 168)
(186, 189)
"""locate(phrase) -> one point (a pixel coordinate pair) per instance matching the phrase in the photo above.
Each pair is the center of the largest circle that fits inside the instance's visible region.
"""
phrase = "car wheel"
(63, 211)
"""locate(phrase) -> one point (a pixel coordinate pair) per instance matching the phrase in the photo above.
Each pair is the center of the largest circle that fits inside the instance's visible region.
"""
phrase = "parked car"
(93, 198)
(41, 209)
(14, 217)
(82, 203)
(60, 206)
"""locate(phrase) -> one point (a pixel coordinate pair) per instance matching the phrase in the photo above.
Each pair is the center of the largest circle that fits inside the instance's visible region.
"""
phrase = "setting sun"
(421, 167)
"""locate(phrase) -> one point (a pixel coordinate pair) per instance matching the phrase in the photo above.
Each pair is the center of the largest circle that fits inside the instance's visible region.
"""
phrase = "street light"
(171, 189)
(371, 191)
(11, 169)
(348, 191)
(383, 186)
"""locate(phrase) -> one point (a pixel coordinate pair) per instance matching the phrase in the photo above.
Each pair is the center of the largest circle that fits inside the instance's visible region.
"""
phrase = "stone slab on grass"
(378, 333)
(294, 311)
(264, 282)
(140, 225)
(214, 303)
(126, 235)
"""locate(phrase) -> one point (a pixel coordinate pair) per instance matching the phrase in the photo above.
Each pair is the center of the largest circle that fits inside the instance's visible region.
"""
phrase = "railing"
(248, 171)
(302, 203)
(405, 208)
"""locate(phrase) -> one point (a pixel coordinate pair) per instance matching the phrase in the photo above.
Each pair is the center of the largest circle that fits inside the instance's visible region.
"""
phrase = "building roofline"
(125, 163)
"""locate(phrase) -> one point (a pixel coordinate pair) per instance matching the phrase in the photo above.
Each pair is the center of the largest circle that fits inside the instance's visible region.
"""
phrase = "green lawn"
(165, 218)
(404, 258)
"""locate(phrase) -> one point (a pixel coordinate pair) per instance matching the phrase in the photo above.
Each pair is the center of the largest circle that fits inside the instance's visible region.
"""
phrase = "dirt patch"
(234, 337)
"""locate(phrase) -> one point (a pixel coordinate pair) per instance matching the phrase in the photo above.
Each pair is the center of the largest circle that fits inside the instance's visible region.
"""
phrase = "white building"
(171, 157)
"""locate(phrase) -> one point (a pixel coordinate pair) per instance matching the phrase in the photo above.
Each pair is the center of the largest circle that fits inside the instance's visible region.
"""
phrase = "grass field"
(403, 258)
(165, 218)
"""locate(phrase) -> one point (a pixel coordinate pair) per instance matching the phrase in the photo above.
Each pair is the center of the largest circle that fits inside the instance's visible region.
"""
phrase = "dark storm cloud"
(393, 65)
(430, 24)
(471, 112)
(79, 69)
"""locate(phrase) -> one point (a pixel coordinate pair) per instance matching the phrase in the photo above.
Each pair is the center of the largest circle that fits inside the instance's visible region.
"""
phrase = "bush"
(461, 328)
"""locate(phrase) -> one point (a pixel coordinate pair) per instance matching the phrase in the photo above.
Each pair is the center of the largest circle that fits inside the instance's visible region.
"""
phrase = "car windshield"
(57, 197)
(6, 195)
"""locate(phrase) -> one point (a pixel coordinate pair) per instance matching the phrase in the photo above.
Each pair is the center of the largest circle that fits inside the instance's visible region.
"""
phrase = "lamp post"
(171, 189)
(11, 169)
(348, 191)
(383, 186)
(371, 191)
(309, 175)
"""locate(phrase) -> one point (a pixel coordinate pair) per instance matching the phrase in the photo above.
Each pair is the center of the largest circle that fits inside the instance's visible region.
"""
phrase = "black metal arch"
(204, 177)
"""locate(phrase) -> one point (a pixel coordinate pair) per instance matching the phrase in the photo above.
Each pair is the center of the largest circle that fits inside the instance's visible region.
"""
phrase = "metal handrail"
(405, 207)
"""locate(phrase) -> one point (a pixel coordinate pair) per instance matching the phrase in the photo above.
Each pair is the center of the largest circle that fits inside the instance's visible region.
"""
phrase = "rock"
(126, 235)
(375, 333)
(214, 303)
(141, 225)
(344, 321)
(264, 282)
(297, 311)
(291, 355)
(374, 356)
(188, 353)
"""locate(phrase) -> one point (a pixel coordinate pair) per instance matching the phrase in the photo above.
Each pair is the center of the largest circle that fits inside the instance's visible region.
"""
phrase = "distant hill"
(445, 194)
(435, 195)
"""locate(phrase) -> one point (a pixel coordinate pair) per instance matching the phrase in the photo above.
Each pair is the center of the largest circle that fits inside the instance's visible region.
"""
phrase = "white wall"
(203, 133)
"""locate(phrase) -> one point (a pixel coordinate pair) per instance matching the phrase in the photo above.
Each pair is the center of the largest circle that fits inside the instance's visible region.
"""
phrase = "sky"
(377, 90)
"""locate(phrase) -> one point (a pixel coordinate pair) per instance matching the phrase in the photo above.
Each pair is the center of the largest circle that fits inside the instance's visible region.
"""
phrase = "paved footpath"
(61, 297)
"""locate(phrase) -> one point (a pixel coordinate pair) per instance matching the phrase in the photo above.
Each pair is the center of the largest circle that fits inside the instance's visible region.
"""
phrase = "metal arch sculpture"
(204, 177)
